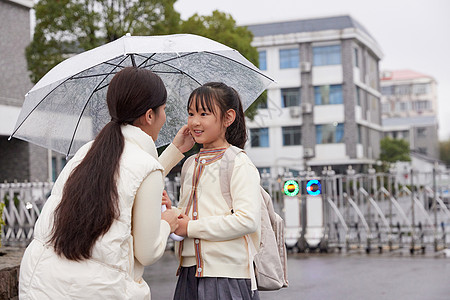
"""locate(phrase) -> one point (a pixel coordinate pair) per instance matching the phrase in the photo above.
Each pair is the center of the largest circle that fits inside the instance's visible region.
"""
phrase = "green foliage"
(444, 151)
(222, 28)
(67, 27)
(393, 150)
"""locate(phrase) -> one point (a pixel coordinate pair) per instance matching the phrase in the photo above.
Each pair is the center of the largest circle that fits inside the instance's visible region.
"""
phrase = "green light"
(291, 188)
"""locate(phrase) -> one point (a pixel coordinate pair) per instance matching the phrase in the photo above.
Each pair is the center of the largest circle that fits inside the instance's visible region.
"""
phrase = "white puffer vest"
(110, 273)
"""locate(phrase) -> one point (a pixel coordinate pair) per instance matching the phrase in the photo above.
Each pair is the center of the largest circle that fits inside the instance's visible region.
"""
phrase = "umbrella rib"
(94, 75)
(146, 59)
(181, 71)
(45, 97)
(256, 71)
(85, 105)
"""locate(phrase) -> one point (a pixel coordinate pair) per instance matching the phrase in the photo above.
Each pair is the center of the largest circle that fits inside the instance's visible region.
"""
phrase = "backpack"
(270, 261)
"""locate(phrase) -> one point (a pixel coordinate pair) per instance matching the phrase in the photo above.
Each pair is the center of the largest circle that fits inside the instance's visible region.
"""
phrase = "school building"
(324, 108)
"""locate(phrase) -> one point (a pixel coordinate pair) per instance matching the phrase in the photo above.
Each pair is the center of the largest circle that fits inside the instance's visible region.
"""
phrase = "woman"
(102, 223)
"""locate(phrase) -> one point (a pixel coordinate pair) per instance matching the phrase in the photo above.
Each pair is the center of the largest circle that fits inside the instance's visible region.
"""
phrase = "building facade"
(19, 160)
(324, 109)
(409, 110)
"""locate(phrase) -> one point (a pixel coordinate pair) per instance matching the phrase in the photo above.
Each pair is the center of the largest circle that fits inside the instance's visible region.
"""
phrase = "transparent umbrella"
(67, 107)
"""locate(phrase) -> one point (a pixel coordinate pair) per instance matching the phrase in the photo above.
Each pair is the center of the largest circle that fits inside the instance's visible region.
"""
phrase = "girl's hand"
(183, 221)
(171, 217)
(183, 140)
(166, 200)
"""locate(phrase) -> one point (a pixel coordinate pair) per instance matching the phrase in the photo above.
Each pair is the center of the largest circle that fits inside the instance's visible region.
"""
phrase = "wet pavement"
(397, 275)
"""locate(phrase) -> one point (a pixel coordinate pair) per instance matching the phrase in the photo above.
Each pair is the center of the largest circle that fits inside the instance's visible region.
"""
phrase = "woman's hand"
(166, 200)
(183, 221)
(183, 140)
(171, 216)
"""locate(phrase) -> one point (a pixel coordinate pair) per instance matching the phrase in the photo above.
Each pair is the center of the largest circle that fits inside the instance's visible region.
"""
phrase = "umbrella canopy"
(67, 107)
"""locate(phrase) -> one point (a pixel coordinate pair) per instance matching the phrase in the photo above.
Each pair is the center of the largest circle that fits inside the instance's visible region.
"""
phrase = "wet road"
(340, 276)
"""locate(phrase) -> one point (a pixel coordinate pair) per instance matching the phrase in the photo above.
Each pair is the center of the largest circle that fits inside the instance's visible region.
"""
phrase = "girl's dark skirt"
(190, 287)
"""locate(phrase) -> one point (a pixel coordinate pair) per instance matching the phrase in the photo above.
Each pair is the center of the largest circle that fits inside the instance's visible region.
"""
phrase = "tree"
(222, 28)
(393, 150)
(444, 151)
(67, 27)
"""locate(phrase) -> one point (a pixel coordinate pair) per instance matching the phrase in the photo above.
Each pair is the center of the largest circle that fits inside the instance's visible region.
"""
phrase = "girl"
(214, 257)
(102, 223)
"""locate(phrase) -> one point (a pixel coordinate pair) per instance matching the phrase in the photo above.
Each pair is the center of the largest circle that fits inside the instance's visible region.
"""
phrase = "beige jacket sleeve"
(150, 233)
(169, 158)
(246, 219)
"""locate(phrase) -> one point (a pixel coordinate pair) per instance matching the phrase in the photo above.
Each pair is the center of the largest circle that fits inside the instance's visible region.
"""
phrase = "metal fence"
(369, 212)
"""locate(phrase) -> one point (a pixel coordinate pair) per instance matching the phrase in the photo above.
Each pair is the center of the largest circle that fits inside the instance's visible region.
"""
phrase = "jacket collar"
(138, 137)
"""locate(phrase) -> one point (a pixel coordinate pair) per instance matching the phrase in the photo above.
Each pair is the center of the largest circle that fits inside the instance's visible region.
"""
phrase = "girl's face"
(205, 127)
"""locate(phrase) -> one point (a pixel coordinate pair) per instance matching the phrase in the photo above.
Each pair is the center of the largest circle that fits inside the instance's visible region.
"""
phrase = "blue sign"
(313, 187)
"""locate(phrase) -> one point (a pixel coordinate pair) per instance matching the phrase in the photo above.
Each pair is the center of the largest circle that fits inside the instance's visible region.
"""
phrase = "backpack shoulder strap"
(189, 161)
(226, 170)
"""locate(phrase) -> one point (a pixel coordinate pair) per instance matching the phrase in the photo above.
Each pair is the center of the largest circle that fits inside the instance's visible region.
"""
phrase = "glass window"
(356, 57)
(262, 60)
(358, 96)
(262, 104)
(385, 108)
(263, 170)
(289, 58)
(54, 169)
(259, 137)
(330, 133)
(290, 97)
(420, 89)
(328, 94)
(421, 132)
(422, 105)
(292, 135)
(359, 141)
(387, 90)
(402, 89)
(327, 55)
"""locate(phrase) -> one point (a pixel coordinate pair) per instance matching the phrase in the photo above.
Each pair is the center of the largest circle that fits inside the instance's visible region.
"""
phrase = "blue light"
(313, 187)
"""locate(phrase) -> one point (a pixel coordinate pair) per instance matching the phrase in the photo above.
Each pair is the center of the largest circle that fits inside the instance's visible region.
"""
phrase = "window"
(358, 96)
(402, 89)
(328, 94)
(330, 133)
(259, 137)
(422, 150)
(422, 105)
(420, 89)
(356, 57)
(359, 141)
(401, 106)
(289, 58)
(421, 132)
(262, 103)
(292, 135)
(385, 108)
(327, 55)
(262, 60)
(290, 97)
(263, 170)
(387, 90)
(54, 169)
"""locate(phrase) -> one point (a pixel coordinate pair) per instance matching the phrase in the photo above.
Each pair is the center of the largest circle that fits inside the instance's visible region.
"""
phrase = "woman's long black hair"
(89, 203)
(226, 98)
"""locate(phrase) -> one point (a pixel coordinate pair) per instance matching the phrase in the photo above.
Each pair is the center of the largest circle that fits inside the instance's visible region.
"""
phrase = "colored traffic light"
(313, 187)
(291, 188)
